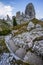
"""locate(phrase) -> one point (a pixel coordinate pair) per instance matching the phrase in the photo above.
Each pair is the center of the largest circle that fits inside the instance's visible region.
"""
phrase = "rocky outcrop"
(9, 21)
(28, 15)
(38, 47)
(30, 11)
(23, 45)
(30, 25)
(20, 53)
(32, 59)
(38, 26)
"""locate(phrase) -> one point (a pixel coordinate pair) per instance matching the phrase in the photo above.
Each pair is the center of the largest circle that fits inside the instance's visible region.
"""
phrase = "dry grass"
(19, 26)
(23, 27)
(22, 63)
(36, 21)
(38, 38)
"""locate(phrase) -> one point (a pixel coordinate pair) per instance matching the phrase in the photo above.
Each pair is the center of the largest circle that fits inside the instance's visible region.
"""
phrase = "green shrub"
(14, 22)
(5, 32)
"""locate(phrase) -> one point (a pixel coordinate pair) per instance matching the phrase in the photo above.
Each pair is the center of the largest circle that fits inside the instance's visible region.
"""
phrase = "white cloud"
(5, 9)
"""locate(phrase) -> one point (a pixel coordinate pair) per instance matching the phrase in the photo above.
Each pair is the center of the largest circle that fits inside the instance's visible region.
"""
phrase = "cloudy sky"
(10, 7)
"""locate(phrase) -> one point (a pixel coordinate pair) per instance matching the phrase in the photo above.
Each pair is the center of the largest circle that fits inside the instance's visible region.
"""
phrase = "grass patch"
(4, 28)
(5, 32)
(3, 47)
(21, 62)
(20, 31)
(38, 39)
(19, 26)
(36, 21)
(23, 27)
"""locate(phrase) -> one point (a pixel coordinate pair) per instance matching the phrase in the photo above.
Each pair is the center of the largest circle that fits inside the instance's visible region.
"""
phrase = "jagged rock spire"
(30, 11)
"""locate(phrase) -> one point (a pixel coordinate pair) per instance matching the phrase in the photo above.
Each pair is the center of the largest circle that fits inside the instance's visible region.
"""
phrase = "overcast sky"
(10, 7)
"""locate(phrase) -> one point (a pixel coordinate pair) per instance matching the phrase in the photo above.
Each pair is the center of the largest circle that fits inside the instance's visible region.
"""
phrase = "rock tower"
(30, 11)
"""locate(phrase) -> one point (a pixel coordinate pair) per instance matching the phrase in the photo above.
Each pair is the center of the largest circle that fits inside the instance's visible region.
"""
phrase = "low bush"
(5, 32)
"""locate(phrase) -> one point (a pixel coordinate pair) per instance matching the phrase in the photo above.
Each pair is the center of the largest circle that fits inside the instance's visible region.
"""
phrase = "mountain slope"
(4, 27)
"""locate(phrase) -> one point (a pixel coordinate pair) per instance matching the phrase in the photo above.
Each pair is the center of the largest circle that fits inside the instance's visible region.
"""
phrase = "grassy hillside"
(23, 27)
(3, 47)
(4, 27)
(36, 21)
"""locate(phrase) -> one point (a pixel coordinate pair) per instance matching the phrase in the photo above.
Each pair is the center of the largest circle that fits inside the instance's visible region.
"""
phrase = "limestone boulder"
(30, 25)
(32, 59)
(38, 26)
(20, 53)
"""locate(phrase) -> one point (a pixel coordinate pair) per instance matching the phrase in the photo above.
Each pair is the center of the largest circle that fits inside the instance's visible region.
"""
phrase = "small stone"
(38, 26)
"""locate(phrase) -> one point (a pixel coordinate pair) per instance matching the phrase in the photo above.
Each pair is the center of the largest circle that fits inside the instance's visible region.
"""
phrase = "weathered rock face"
(30, 11)
(32, 59)
(38, 47)
(20, 52)
(28, 15)
(8, 18)
(18, 15)
(30, 25)
(38, 26)
(23, 44)
(9, 21)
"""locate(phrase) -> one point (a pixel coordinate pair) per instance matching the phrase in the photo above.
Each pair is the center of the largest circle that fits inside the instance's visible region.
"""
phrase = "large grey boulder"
(30, 11)
(32, 59)
(20, 53)
(38, 26)
(12, 46)
(30, 25)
